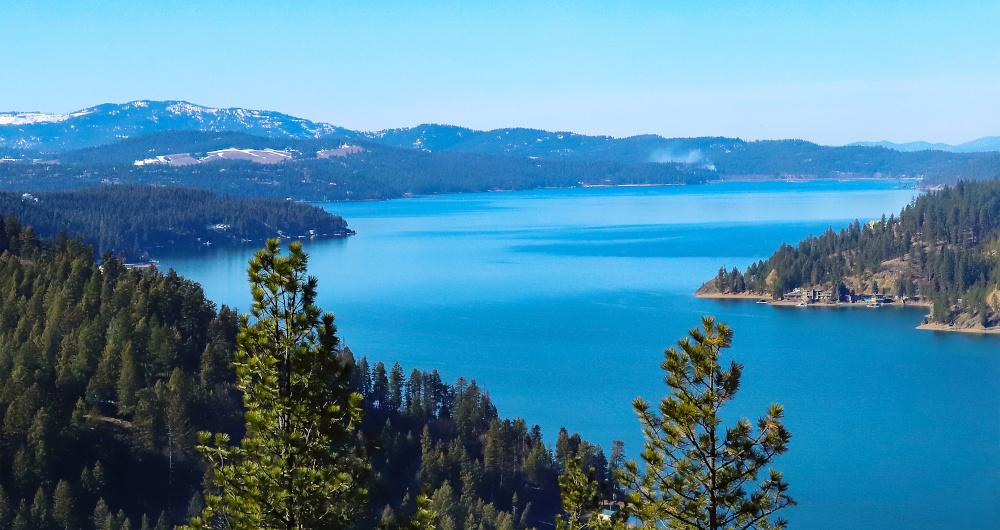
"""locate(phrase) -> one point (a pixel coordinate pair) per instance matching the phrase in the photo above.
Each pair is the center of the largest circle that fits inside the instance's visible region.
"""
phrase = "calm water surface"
(560, 303)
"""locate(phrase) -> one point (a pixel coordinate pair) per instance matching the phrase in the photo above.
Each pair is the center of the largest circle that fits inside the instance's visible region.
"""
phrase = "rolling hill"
(104, 143)
(979, 145)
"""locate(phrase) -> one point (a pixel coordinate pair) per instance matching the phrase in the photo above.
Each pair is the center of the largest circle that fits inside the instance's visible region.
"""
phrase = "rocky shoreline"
(929, 326)
(937, 326)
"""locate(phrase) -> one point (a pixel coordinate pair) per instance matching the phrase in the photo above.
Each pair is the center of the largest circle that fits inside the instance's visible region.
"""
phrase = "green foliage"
(943, 241)
(107, 372)
(84, 381)
(380, 172)
(423, 516)
(300, 465)
(580, 496)
(135, 221)
(695, 475)
(64, 506)
(479, 470)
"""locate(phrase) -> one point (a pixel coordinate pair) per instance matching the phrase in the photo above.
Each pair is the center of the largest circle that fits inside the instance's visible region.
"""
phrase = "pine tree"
(694, 475)
(615, 466)
(443, 502)
(579, 492)
(101, 389)
(177, 425)
(79, 415)
(40, 509)
(299, 465)
(22, 520)
(396, 379)
(98, 476)
(146, 418)
(128, 380)
(64, 506)
(423, 515)
(102, 517)
(380, 386)
(122, 522)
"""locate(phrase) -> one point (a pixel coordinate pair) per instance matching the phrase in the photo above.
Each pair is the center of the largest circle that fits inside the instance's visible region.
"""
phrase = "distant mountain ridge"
(979, 145)
(111, 122)
(115, 143)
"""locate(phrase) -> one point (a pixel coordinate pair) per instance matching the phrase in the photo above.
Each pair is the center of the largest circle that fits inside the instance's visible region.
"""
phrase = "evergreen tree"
(98, 476)
(299, 465)
(22, 520)
(128, 381)
(579, 492)
(40, 509)
(396, 379)
(696, 476)
(380, 386)
(177, 425)
(64, 506)
(121, 521)
(102, 517)
(423, 515)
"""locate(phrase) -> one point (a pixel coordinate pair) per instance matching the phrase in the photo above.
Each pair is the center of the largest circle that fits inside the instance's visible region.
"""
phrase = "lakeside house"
(810, 296)
(827, 296)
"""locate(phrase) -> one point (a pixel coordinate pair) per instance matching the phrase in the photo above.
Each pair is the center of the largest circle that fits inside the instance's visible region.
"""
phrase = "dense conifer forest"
(443, 159)
(944, 246)
(135, 221)
(479, 470)
(381, 173)
(107, 373)
(385, 170)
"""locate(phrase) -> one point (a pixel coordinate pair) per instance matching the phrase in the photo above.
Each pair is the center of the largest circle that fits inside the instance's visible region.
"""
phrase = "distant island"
(259, 153)
(135, 222)
(942, 251)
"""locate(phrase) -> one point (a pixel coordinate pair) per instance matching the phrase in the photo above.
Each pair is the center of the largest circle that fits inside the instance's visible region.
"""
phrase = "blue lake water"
(560, 303)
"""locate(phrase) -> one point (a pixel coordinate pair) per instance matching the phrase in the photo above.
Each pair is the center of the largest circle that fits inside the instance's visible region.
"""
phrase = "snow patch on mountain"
(29, 118)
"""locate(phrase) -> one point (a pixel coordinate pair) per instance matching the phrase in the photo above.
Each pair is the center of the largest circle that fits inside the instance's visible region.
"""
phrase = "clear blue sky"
(832, 72)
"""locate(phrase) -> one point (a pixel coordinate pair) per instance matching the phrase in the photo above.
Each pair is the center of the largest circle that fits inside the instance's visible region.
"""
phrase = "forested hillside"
(479, 470)
(137, 221)
(127, 151)
(377, 173)
(107, 373)
(55, 156)
(729, 157)
(945, 247)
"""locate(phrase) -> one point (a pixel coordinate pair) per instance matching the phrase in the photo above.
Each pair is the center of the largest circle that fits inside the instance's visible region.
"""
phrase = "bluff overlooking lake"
(561, 302)
(943, 249)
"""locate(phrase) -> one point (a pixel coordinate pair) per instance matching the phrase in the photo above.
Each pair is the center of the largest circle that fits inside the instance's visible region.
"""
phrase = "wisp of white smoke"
(690, 157)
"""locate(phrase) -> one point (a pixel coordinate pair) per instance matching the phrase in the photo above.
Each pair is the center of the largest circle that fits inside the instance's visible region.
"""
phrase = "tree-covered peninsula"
(943, 250)
(136, 221)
